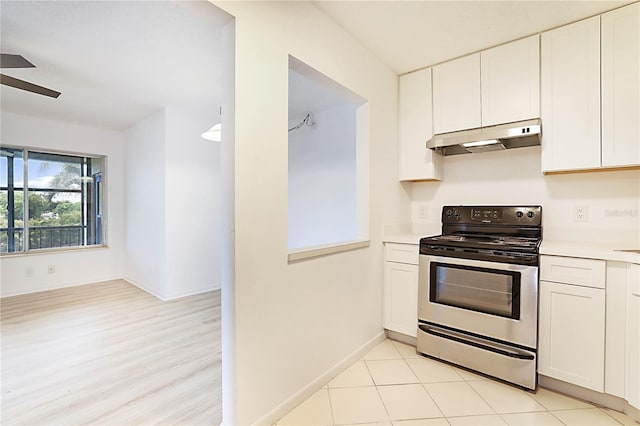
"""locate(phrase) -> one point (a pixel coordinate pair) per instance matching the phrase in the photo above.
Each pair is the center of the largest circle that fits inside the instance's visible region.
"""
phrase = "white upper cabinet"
(456, 94)
(496, 86)
(570, 107)
(416, 128)
(510, 76)
(621, 87)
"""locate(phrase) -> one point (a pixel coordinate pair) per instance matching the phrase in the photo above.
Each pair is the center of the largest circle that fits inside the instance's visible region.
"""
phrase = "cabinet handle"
(635, 294)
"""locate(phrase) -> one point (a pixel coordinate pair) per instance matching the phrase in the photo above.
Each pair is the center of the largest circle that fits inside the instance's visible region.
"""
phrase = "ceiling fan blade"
(29, 87)
(14, 61)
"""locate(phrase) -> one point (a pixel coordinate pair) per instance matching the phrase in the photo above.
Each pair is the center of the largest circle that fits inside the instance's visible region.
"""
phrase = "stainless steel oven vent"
(493, 138)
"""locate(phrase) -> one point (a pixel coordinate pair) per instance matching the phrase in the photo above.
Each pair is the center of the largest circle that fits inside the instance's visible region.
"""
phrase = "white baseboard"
(145, 289)
(289, 404)
(32, 290)
(403, 338)
(579, 392)
(155, 294)
(598, 398)
(201, 290)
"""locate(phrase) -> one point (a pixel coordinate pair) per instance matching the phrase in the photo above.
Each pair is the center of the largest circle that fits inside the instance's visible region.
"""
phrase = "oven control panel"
(503, 215)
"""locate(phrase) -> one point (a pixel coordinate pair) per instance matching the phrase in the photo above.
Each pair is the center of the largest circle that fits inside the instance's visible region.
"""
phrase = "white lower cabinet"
(615, 329)
(632, 356)
(571, 346)
(401, 288)
(572, 322)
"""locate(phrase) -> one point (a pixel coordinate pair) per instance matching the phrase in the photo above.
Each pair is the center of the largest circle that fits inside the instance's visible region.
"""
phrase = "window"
(60, 206)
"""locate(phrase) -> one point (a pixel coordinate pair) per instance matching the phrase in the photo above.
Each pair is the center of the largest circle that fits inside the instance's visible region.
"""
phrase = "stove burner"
(451, 237)
(513, 237)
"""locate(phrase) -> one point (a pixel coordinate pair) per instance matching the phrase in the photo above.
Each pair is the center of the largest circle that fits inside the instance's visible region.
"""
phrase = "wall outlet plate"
(581, 213)
(422, 211)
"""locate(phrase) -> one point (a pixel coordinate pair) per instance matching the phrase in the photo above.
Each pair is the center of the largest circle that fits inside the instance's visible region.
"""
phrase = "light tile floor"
(392, 385)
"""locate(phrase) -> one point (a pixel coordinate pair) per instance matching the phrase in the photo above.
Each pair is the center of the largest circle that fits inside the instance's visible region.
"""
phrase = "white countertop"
(589, 251)
(557, 248)
(407, 238)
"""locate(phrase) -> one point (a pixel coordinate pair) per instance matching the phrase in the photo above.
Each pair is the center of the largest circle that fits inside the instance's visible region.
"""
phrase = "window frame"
(24, 189)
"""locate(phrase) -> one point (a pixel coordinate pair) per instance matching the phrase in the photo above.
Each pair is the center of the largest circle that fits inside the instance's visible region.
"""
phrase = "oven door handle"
(474, 341)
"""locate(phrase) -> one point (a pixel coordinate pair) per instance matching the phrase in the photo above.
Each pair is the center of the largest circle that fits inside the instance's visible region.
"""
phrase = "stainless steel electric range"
(478, 291)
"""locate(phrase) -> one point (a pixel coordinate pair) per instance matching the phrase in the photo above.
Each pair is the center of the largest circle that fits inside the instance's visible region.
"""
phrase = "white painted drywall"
(192, 203)
(145, 233)
(293, 322)
(73, 267)
(173, 204)
(514, 177)
(227, 233)
(322, 179)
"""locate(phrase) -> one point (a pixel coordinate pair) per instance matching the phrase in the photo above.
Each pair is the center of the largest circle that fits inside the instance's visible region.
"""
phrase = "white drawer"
(402, 253)
(573, 270)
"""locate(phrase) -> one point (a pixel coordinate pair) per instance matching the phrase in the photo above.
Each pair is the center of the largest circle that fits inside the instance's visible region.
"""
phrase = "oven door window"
(491, 291)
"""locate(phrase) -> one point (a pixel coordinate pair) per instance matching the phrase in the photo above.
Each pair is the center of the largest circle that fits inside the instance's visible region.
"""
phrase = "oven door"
(489, 299)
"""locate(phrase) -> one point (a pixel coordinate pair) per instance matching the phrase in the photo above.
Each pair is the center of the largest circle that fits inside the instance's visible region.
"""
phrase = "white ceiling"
(114, 62)
(408, 35)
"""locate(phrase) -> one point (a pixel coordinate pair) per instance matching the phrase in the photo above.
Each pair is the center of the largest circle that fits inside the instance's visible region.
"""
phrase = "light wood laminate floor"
(110, 354)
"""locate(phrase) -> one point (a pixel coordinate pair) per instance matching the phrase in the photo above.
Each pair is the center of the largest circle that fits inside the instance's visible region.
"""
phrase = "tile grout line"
(399, 355)
(386, 410)
(333, 417)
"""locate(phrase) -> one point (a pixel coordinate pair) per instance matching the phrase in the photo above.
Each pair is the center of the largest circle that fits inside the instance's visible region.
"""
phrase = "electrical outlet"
(423, 211)
(28, 271)
(51, 269)
(581, 213)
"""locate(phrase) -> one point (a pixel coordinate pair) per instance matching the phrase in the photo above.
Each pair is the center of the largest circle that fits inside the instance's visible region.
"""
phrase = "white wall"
(76, 266)
(294, 322)
(322, 179)
(172, 205)
(145, 233)
(514, 177)
(192, 204)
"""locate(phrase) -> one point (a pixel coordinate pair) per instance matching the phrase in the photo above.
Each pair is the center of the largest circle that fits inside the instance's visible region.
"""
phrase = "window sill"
(318, 251)
(59, 250)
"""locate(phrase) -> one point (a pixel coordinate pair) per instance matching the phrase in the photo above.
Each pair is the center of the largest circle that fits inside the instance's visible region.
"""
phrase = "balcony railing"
(41, 237)
(11, 240)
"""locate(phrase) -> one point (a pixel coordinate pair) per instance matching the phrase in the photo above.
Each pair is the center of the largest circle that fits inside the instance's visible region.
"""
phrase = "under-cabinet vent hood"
(493, 138)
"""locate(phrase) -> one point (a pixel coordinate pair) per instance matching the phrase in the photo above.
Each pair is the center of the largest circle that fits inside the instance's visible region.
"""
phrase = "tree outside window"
(63, 194)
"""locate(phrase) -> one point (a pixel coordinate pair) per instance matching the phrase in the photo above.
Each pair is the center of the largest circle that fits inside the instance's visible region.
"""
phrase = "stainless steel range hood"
(493, 138)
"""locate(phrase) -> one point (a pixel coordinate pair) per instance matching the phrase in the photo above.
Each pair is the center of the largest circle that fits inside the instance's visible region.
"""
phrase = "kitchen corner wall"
(295, 322)
(513, 177)
(73, 267)
(172, 205)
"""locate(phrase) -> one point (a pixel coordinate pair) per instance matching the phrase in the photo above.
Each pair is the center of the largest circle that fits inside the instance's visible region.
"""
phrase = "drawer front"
(402, 253)
(572, 270)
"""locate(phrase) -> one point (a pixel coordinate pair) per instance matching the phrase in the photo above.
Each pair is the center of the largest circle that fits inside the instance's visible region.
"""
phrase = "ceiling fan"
(17, 61)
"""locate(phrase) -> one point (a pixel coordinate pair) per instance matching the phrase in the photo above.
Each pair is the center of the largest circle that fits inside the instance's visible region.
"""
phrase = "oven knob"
(530, 215)
(519, 214)
(449, 212)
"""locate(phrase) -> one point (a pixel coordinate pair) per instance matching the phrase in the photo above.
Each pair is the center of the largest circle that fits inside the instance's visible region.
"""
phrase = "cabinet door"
(570, 108)
(632, 358)
(621, 87)
(615, 335)
(510, 76)
(571, 340)
(401, 298)
(417, 162)
(456, 94)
